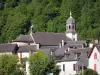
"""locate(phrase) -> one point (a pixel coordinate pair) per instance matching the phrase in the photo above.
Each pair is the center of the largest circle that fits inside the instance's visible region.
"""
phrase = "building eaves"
(8, 48)
(28, 48)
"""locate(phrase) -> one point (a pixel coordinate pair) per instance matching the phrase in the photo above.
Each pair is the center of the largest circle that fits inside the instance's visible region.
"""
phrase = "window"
(74, 67)
(63, 67)
(95, 56)
(69, 27)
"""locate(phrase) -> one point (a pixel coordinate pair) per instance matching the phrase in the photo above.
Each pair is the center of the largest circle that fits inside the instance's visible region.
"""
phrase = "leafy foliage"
(40, 64)
(16, 17)
(18, 72)
(89, 72)
(37, 63)
(51, 67)
(8, 64)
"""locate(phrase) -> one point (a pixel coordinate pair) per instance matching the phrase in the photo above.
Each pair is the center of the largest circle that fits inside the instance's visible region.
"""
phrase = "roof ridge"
(48, 32)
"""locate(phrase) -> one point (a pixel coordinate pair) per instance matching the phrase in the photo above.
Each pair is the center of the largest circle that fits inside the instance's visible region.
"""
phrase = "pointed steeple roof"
(70, 20)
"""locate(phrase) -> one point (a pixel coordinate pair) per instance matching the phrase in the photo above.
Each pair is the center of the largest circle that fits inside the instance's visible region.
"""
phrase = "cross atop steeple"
(70, 14)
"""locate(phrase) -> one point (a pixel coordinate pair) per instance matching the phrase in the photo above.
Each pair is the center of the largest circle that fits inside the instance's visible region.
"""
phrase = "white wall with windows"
(67, 67)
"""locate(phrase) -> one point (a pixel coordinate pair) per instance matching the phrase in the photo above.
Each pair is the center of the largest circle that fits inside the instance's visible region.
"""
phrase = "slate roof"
(27, 48)
(83, 60)
(47, 38)
(46, 51)
(83, 50)
(76, 47)
(8, 48)
(76, 42)
(45, 47)
(73, 45)
(24, 38)
(71, 56)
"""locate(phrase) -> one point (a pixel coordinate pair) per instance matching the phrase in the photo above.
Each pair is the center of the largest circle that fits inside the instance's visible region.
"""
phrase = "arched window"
(95, 56)
(69, 27)
(72, 27)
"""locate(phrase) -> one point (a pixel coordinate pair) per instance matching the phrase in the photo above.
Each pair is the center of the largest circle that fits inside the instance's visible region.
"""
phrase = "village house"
(94, 58)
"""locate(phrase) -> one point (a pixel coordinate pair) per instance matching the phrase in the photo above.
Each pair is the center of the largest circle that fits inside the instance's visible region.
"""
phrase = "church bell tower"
(71, 28)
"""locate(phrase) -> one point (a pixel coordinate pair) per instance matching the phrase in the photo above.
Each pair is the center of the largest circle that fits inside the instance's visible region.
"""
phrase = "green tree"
(8, 64)
(37, 63)
(89, 72)
(51, 67)
(40, 64)
(17, 72)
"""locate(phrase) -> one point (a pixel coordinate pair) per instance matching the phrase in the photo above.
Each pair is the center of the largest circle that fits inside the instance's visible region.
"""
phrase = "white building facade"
(67, 68)
(94, 59)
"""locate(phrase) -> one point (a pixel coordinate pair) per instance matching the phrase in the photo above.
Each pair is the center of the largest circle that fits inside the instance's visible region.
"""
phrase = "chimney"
(76, 55)
(62, 42)
(59, 45)
(65, 51)
(65, 54)
(68, 48)
(82, 45)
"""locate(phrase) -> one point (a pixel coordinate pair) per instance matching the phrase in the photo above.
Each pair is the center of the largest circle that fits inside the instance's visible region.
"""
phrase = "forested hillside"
(16, 17)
